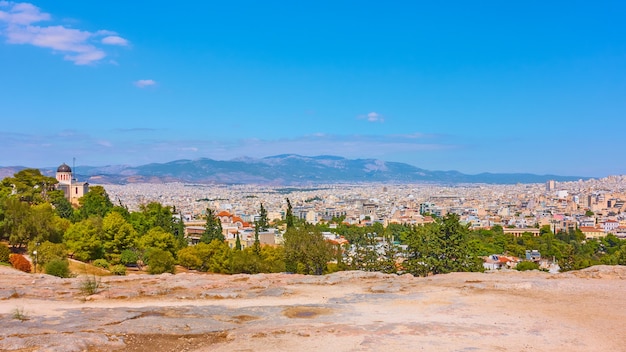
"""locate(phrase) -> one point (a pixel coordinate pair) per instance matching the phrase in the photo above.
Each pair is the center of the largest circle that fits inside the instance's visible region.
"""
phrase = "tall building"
(550, 185)
(72, 189)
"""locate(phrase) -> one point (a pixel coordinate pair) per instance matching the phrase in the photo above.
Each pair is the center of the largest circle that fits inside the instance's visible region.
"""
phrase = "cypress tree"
(289, 215)
(238, 243)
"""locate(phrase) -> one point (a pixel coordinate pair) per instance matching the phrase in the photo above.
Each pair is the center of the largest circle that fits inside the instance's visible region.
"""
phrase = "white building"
(72, 189)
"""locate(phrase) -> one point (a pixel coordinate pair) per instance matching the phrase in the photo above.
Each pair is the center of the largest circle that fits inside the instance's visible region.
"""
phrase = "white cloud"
(76, 45)
(372, 117)
(22, 13)
(142, 83)
(114, 40)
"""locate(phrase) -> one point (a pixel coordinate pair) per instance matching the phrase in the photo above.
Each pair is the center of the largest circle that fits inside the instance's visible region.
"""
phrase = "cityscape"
(596, 206)
(345, 176)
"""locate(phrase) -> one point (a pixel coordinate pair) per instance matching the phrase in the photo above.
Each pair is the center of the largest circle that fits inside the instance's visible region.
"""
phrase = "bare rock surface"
(348, 311)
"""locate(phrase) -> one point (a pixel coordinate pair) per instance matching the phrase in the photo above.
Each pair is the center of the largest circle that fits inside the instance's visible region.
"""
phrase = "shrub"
(128, 257)
(19, 314)
(101, 263)
(48, 251)
(161, 261)
(5, 252)
(90, 285)
(58, 267)
(523, 266)
(118, 270)
(188, 257)
(20, 263)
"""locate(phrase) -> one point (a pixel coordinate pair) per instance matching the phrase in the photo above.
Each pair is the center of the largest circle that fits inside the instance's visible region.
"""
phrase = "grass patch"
(19, 314)
(90, 285)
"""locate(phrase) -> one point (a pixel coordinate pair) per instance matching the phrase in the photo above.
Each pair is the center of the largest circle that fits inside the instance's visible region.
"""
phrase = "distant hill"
(288, 169)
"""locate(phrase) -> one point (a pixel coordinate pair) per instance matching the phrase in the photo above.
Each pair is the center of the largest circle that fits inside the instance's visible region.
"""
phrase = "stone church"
(72, 189)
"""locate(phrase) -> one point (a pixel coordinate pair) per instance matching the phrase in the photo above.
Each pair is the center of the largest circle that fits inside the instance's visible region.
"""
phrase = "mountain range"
(286, 169)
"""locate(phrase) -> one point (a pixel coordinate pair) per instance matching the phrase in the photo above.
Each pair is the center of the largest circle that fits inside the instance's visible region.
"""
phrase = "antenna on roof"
(73, 167)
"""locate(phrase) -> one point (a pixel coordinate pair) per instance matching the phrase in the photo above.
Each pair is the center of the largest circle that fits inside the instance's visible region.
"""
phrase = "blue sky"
(474, 86)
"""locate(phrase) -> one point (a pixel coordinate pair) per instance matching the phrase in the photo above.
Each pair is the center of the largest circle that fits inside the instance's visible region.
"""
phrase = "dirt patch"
(165, 343)
(303, 312)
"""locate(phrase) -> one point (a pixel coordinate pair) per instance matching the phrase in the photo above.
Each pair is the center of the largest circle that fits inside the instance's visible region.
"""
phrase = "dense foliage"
(58, 267)
(5, 252)
(34, 216)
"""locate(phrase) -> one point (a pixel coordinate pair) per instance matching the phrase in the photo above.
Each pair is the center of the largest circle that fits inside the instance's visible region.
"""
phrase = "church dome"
(64, 168)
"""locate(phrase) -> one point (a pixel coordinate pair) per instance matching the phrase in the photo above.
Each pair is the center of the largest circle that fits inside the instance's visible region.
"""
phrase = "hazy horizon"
(499, 88)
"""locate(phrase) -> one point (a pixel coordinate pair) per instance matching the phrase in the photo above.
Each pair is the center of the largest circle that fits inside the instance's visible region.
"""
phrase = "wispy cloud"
(142, 83)
(372, 117)
(114, 40)
(135, 129)
(21, 22)
(189, 149)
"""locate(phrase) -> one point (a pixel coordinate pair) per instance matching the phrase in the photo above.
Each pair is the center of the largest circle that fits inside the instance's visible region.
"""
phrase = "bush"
(523, 266)
(5, 252)
(20, 263)
(90, 285)
(101, 263)
(128, 257)
(161, 261)
(188, 257)
(118, 270)
(47, 252)
(58, 267)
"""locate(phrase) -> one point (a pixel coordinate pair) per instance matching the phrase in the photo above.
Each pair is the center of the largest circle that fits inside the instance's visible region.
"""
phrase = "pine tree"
(212, 229)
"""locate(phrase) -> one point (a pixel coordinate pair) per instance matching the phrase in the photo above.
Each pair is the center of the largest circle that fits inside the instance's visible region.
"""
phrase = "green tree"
(62, 206)
(29, 186)
(306, 251)
(238, 243)
(189, 258)
(59, 268)
(289, 215)
(256, 247)
(95, 203)
(15, 224)
(621, 259)
(5, 252)
(83, 239)
(526, 265)
(212, 228)
(161, 261)
(262, 223)
(117, 234)
(160, 239)
(48, 252)
(214, 257)
(441, 247)
(179, 231)
(129, 257)
(154, 214)
(46, 224)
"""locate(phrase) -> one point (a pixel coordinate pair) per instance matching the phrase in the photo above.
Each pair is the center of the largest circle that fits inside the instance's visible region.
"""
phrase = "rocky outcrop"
(348, 311)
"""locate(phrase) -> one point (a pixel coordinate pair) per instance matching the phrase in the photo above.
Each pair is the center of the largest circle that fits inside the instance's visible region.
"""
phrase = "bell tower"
(64, 174)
